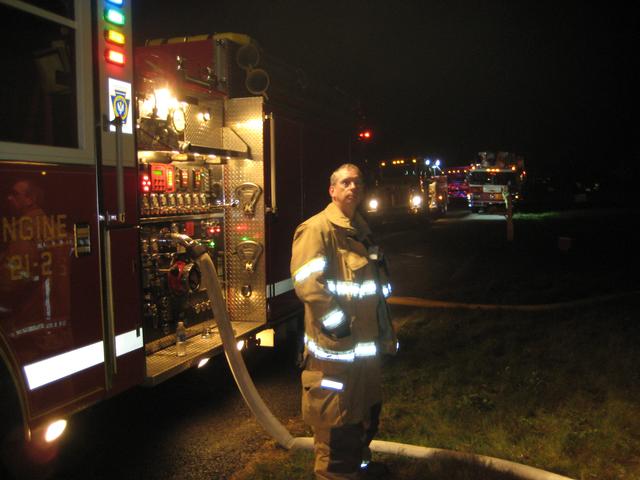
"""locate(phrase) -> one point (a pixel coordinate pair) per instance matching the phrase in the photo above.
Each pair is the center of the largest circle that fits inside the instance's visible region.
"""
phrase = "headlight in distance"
(373, 204)
(416, 201)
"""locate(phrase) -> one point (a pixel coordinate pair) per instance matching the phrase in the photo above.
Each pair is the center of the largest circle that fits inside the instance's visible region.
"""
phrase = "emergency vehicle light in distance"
(113, 56)
(114, 16)
(365, 135)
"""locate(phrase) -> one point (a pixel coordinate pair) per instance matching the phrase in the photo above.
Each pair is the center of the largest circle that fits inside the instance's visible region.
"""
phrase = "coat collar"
(355, 226)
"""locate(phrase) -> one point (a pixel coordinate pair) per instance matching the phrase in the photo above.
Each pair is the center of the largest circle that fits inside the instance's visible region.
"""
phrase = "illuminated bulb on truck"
(54, 430)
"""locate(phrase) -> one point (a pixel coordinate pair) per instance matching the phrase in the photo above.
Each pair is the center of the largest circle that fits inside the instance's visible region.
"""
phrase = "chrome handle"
(121, 215)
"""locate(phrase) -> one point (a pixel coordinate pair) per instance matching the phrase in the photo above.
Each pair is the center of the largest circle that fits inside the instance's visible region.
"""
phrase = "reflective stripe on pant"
(341, 450)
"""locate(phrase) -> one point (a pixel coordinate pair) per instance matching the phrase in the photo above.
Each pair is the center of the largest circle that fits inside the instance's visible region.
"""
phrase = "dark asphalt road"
(195, 426)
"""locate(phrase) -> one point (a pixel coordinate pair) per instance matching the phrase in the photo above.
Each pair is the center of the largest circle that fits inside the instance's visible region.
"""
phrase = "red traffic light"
(365, 135)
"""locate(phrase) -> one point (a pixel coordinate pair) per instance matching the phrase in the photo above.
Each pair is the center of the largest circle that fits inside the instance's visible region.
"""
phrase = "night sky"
(557, 79)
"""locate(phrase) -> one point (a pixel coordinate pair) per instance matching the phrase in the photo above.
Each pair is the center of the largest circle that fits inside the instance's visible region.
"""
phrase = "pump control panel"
(179, 188)
(162, 178)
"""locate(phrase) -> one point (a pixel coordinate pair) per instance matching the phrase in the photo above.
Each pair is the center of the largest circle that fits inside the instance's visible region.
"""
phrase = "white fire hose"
(273, 426)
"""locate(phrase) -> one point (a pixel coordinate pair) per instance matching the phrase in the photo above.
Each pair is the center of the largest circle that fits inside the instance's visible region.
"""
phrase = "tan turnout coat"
(337, 282)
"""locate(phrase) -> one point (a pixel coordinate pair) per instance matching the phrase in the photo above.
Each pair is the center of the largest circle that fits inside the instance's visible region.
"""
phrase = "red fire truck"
(492, 175)
(212, 138)
(406, 186)
(457, 183)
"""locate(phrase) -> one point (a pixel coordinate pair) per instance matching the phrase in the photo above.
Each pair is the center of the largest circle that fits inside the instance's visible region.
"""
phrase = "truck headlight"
(373, 204)
(416, 201)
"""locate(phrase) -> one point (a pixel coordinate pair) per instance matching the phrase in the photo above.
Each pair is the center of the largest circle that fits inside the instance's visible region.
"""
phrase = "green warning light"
(114, 16)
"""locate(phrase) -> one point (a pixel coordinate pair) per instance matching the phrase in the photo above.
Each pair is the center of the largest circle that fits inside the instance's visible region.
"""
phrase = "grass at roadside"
(557, 390)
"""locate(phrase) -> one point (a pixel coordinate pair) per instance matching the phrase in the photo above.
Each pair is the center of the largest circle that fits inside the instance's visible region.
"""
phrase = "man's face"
(347, 191)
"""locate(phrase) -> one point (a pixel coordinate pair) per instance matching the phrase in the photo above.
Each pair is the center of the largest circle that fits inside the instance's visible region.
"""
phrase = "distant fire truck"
(457, 182)
(494, 174)
(213, 138)
(406, 186)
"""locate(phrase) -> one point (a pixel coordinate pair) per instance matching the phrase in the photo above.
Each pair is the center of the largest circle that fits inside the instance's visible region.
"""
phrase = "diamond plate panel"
(199, 132)
(244, 126)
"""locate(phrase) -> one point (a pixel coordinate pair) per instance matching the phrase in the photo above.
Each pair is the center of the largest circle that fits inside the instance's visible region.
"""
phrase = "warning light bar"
(114, 37)
(116, 2)
(114, 16)
(115, 57)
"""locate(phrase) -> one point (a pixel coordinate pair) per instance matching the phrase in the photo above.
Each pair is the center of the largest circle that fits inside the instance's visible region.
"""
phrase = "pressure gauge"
(178, 120)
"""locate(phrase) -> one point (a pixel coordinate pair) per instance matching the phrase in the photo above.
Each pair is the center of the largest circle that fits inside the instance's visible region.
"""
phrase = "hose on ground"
(427, 303)
(272, 425)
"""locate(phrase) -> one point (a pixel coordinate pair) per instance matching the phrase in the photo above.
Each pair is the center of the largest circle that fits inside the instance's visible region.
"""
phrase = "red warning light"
(365, 135)
(145, 182)
(113, 56)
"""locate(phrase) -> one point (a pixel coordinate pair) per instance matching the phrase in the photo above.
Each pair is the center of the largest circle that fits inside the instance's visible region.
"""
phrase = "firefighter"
(335, 272)
(508, 202)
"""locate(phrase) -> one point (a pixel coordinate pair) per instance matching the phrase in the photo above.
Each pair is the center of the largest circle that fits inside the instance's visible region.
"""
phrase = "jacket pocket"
(323, 402)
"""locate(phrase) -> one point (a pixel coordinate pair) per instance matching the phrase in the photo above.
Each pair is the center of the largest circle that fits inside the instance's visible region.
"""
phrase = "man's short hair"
(345, 166)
